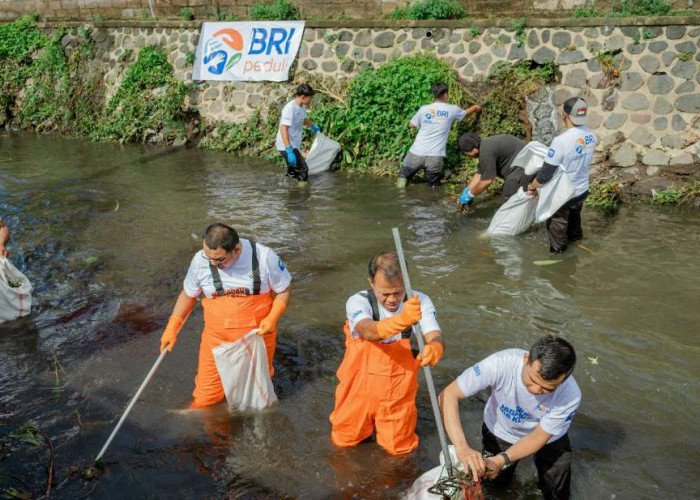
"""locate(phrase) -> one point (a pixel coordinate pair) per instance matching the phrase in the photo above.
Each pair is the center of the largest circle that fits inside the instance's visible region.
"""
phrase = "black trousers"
(300, 171)
(564, 226)
(515, 179)
(553, 462)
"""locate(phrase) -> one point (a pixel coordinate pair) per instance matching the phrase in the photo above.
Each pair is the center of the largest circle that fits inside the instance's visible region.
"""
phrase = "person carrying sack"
(245, 285)
(572, 151)
(288, 141)
(378, 377)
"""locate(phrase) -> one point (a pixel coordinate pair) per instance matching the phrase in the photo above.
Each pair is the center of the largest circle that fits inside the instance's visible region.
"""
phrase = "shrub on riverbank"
(430, 9)
(677, 195)
(149, 105)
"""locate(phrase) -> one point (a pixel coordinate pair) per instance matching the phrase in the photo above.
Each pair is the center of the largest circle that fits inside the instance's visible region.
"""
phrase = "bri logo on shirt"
(439, 113)
(477, 370)
(518, 415)
(550, 153)
(280, 264)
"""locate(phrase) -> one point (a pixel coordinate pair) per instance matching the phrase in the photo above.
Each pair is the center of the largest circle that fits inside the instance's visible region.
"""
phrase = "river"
(106, 233)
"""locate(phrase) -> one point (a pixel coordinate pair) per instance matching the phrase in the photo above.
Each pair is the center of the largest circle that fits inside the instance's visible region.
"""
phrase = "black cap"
(469, 141)
(577, 109)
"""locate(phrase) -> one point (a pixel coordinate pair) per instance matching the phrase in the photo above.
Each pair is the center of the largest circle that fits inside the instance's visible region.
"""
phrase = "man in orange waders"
(378, 378)
(246, 286)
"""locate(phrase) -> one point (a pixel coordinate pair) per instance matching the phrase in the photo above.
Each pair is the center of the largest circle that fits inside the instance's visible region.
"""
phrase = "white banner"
(247, 51)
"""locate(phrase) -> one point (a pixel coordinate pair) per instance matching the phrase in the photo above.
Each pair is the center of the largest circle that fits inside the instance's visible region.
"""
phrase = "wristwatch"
(508, 463)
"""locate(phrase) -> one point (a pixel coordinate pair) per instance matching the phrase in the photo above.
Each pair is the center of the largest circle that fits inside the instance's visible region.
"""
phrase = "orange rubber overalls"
(377, 388)
(228, 318)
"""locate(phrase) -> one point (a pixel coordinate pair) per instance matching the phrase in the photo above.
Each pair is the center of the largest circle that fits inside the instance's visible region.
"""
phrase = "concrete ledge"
(530, 22)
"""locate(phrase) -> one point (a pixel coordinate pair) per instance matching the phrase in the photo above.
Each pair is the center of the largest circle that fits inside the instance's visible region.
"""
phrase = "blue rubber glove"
(315, 128)
(291, 157)
(466, 197)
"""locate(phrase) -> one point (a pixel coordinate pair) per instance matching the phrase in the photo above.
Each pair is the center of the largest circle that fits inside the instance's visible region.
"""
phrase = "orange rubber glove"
(411, 314)
(169, 336)
(432, 353)
(269, 322)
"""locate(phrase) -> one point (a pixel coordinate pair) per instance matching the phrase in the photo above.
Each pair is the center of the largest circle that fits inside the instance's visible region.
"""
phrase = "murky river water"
(105, 235)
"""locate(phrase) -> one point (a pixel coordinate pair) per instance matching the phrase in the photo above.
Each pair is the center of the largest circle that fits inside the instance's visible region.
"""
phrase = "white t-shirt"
(512, 412)
(359, 308)
(293, 116)
(434, 122)
(573, 152)
(273, 273)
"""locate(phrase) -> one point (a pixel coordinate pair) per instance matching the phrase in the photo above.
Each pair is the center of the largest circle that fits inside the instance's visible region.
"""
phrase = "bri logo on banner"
(226, 48)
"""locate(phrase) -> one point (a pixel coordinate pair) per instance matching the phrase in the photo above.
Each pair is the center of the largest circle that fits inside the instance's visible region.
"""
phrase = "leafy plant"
(635, 39)
(519, 28)
(675, 195)
(510, 84)
(684, 56)
(643, 8)
(190, 57)
(606, 58)
(603, 196)
(222, 16)
(187, 14)
(586, 12)
(149, 100)
(280, 10)
(430, 9)
(474, 31)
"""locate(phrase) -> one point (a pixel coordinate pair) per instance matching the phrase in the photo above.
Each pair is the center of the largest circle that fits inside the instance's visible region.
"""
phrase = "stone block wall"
(644, 107)
(318, 9)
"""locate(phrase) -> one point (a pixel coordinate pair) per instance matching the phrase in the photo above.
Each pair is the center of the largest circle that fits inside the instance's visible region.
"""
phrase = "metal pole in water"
(132, 403)
(418, 334)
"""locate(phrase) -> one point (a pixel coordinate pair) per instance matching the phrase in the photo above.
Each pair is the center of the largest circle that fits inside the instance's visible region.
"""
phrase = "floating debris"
(545, 262)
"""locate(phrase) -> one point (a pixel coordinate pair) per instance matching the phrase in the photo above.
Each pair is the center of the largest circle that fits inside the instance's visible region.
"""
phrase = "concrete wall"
(318, 9)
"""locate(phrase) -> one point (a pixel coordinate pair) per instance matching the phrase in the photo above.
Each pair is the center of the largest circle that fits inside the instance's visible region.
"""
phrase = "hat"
(469, 141)
(577, 109)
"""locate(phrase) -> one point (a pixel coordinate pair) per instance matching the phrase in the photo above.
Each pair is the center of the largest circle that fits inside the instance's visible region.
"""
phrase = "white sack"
(322, 153)
(419, 489)
(242, 366)
(531, 157)
(552, 196)
(15, 292)
(515, 215)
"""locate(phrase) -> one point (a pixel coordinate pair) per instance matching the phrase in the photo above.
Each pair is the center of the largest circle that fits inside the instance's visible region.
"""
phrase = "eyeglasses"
(216, 261)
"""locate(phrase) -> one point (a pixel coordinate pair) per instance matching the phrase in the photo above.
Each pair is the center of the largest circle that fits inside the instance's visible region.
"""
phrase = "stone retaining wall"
(646, 108)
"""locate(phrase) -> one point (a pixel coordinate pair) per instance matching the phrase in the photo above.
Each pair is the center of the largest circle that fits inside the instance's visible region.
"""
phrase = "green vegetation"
(187, 14)
(606, 58)
(519, 28)
(648, 34)
(675, 195)
(371, 119)
(603, 196)
(149, 101)
(223, 16)
(474, 31)
(430, 9)
(190, 58)
(684, 56)
(629, 8)
(510, 84)
(280, 10)
(254, 137)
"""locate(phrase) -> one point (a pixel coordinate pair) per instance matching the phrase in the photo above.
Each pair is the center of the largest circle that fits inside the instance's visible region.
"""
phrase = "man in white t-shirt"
(292, 121)
(378, 377)
(433, 122)
(572, 151)
(4, 238)
(533, 400)
(245, 285)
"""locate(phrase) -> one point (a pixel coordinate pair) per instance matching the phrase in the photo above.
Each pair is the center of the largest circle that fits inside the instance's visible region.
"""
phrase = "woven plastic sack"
(242, 366)
(515, 215)
(531, 157)
(419, 489)
(322, 153)
(552, 196)
(15, 292)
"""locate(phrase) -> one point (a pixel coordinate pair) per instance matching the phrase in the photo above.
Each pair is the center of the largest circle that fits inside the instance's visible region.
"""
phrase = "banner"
(247, 51)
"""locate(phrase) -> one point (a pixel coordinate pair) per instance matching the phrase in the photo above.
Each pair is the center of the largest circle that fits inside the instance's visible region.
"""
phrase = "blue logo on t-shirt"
(518, 415)
(355, 314)
(571, 416)
(550, 153)
(477, 370)
(281, 264)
